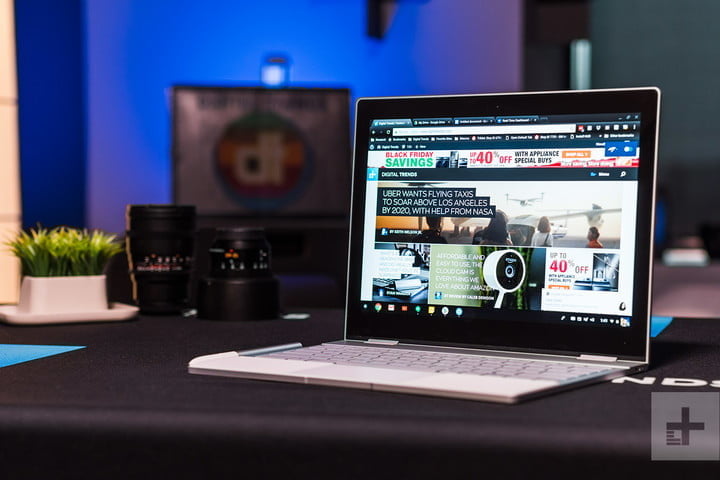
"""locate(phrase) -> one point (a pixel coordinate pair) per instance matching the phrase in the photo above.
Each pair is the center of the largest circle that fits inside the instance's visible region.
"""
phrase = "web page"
(472, 215)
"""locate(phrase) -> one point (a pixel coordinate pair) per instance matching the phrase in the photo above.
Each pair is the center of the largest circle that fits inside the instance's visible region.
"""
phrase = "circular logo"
(263, 160)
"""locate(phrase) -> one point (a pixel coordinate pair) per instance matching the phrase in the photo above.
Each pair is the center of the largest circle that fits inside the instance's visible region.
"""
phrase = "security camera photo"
(482, 276)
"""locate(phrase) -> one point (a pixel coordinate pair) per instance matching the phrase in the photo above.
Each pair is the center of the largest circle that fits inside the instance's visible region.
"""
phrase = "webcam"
(504, 271)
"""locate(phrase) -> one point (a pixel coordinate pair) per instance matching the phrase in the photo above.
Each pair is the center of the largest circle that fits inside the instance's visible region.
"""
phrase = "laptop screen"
(517, 221)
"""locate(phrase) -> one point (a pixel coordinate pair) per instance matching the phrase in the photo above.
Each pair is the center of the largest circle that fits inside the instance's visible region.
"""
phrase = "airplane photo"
(571, 210)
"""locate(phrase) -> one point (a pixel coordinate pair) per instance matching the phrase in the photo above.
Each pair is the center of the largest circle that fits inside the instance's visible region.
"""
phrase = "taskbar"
(454, 312)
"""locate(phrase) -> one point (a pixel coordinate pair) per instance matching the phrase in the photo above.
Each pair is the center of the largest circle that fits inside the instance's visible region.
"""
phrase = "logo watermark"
(685, 426)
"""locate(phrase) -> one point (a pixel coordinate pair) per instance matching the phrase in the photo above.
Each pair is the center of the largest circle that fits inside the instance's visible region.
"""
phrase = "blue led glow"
(135, 53)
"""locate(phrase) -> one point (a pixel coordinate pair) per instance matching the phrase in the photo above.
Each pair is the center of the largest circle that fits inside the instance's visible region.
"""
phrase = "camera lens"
(240, 252)
(240, 285)
(160, 241)
(509, 271)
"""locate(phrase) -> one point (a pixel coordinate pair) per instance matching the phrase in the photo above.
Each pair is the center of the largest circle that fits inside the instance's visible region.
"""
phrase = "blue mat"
(658, 324)
(11, 354)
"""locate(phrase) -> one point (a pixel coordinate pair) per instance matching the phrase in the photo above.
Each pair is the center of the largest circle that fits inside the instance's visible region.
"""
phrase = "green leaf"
(63, 251)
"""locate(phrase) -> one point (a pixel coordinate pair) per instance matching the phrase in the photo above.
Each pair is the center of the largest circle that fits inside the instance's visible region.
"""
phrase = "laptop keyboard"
(400, 358)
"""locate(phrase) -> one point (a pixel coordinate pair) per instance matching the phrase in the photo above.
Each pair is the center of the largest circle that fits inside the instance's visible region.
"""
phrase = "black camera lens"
(239, 252)
(509, 271)
(160, 241)
(240, 285)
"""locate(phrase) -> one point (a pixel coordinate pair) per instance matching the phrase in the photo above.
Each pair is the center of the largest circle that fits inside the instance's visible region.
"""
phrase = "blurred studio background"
(96, 97)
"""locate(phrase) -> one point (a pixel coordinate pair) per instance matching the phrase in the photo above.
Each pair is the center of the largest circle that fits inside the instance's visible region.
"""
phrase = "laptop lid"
(520, 222)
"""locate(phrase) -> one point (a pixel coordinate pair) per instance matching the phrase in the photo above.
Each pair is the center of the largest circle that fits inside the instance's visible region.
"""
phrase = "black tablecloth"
(126, 406)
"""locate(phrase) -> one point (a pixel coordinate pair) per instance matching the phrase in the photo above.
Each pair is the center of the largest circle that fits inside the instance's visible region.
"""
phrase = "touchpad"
(351, 374)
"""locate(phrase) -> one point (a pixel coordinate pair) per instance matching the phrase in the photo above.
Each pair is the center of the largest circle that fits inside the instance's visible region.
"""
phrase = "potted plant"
(62, 270)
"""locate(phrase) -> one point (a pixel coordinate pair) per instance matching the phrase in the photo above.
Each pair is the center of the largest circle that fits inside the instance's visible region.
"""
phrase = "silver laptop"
(500, 248)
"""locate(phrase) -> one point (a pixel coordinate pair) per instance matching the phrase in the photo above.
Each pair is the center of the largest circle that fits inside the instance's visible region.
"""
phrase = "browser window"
(473, 216)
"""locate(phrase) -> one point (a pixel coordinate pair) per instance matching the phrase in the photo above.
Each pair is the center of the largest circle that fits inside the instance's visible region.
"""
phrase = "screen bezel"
(624, 343)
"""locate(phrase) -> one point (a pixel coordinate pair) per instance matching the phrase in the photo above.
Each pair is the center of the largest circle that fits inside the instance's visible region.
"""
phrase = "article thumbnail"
(467, 275)
(554, 214)
(487, 277)
(583, 270)
(402, 272)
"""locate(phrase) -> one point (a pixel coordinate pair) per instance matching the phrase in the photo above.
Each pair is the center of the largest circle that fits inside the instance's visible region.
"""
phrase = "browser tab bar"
(486, 130)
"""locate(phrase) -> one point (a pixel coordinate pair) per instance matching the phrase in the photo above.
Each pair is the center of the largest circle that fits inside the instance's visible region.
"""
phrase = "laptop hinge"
(381, 342)
(597, 358)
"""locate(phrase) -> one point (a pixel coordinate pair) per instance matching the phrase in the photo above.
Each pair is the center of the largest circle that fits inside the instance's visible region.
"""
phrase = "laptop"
(500, 248)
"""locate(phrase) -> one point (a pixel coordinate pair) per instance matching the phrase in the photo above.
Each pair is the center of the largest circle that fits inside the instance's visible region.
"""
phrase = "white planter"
(59, 295)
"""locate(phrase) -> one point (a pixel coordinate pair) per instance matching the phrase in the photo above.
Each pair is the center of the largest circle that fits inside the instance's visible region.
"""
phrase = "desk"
(126, 407)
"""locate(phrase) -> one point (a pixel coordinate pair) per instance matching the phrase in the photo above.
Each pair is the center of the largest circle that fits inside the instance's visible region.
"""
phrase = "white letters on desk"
(641, 381)
(684, 382)
(669, 381)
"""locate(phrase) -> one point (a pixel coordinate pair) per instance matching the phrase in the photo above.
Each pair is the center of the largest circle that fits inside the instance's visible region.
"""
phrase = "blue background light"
(134, 50)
